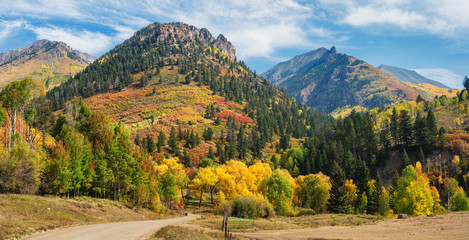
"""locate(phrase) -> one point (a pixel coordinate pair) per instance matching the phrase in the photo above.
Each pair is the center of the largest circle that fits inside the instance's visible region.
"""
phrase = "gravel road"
(137, 230)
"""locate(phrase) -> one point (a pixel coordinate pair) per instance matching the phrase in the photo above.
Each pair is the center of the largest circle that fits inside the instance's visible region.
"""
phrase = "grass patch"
(280, 222)
(25, 214)
(182, 233)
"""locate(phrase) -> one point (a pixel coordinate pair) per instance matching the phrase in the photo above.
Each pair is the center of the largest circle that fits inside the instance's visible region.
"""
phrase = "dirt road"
(115, 231)
(448, 226)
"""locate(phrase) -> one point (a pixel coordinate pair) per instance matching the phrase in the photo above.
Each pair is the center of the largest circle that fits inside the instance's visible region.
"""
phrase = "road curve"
(137, 230)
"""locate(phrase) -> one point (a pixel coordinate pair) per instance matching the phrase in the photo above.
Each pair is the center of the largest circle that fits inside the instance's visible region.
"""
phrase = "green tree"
(459, 201)
(14, 98)
(405, 128)
(167, 187)
(279, 192)
(404, 159)
(313, 191)
(20, 169)
(394, 128)
(161, 140)
(57, 173)
(337, 202)
(413, 195)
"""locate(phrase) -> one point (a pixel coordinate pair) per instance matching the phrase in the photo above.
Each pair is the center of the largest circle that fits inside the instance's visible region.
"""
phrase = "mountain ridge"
(332, 81)
(46, 61)
(410, 76)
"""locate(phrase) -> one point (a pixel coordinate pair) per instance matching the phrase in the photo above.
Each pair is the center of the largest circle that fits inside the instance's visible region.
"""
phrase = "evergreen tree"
(150, 144)
(394, 129)
(405, 128)
(431, 128)
(337, 201)
(404, 159)
(210, 153)
(420, 131)
(161, 140)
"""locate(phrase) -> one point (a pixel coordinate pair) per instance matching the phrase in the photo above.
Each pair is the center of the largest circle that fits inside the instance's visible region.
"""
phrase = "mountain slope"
(46, 61)
(332, 81)
(409, 76)
(175, 76)
(286, 70)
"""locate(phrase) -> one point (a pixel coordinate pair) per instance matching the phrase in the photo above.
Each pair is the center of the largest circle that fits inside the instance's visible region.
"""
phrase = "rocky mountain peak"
(44, 47)
(187, 32)
(223, 44)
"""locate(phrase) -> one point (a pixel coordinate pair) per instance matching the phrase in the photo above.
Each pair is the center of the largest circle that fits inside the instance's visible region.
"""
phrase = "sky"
(430, 36)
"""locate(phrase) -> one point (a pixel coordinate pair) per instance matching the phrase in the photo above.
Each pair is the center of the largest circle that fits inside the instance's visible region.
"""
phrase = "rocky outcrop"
(187, 32)
(225, 46)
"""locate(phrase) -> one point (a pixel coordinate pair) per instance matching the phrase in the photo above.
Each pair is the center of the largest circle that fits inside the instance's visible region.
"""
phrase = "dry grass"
(279, 223)
(189, 233)
(447, 226)
(25, 214)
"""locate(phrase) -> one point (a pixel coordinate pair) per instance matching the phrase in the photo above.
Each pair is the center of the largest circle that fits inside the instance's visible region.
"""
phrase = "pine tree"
(420, 131)
(161, 140)
(150, 144)
(404, 159)
(210, 153)
(432, 130)
(337, 202)
(405, 128)
(421, 156)
(394, 129)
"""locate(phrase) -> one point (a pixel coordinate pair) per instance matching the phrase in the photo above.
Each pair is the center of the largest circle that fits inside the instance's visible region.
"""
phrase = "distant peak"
(333, 50)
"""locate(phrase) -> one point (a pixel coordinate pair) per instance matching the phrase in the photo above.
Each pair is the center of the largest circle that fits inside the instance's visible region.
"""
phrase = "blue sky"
(427, 35)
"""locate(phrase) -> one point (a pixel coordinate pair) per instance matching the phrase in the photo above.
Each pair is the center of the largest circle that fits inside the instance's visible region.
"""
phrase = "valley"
(169, 122)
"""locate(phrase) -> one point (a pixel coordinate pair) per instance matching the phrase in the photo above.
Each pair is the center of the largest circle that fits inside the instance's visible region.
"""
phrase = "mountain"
(46, 61)
(331, 82)
(285, 70)
(409, 76)
(176, 78)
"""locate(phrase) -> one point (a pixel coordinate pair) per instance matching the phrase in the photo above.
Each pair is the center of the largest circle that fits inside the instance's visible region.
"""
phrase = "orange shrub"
(240, 119)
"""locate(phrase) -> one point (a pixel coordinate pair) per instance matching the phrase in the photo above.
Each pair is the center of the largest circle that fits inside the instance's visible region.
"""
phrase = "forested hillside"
(170, 116)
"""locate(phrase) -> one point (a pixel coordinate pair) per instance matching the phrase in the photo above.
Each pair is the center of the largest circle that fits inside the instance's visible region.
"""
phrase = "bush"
(460, 201)
(251, 207)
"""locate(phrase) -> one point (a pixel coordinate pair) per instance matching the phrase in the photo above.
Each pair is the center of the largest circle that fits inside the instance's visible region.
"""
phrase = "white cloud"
(447, 18)
(6, 27)
(84, 41)
(444, 76)
(256, 28)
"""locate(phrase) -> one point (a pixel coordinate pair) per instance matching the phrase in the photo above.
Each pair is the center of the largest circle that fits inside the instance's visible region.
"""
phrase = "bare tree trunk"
(10, 126)
(20, 119)
(182, 195)
(14, 123)
(211, 195)
(5, 133)
(201, 195)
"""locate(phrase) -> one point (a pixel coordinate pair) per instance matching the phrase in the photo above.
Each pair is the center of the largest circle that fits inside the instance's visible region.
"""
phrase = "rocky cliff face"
(187, 32)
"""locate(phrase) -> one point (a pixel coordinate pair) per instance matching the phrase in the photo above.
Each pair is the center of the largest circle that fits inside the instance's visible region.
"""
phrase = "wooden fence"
(239, 223)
